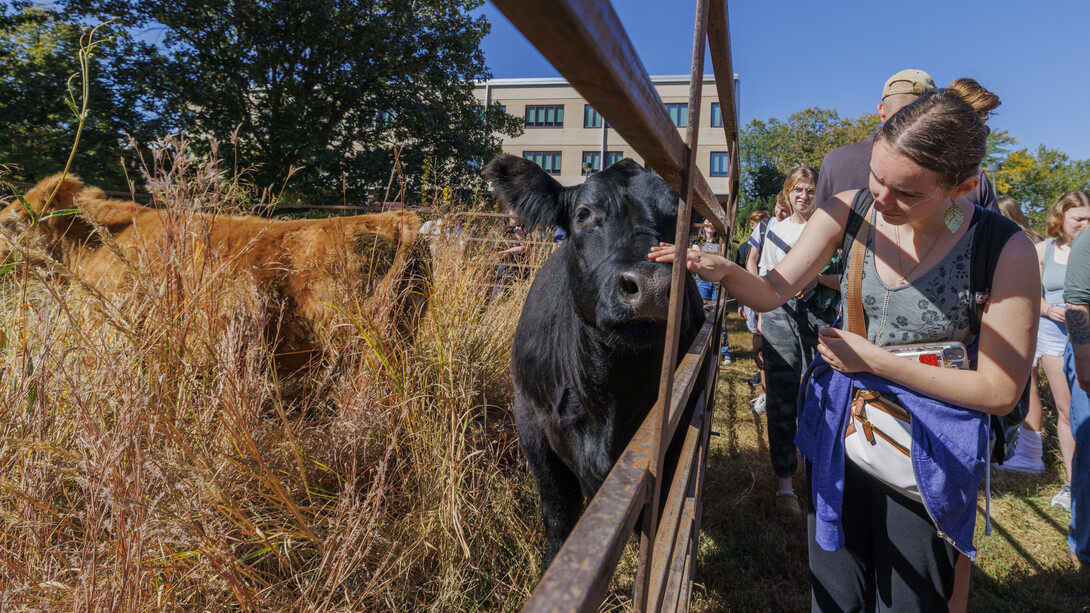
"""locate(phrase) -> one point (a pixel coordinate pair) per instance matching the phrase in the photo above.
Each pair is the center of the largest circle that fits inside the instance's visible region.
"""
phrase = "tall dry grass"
(149, 462)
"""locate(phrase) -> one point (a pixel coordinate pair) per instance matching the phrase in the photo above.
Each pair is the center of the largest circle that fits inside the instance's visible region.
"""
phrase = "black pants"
(893, 558)
(790, 342)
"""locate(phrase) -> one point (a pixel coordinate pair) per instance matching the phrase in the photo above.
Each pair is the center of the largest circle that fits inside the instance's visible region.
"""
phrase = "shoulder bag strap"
(853, 300)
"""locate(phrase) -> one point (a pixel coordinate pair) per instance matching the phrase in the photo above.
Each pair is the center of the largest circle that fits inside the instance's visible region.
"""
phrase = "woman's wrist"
(728, 268)
(885, 364)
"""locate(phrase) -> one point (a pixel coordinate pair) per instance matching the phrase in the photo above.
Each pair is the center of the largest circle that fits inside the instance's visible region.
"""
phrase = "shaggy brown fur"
(299, 266)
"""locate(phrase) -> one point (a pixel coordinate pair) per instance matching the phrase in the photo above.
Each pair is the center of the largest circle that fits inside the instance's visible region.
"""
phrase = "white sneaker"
(1063, 497)
(1021, 464)
(726, 359)
(758, 405)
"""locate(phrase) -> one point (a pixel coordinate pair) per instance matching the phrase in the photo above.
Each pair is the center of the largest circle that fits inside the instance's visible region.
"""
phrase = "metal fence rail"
(585, 41)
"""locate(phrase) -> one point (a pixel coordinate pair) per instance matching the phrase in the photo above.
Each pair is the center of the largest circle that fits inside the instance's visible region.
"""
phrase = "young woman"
(1067, 216)
(790, 338)
(1012, 210)
(872, 547)
(709, 243)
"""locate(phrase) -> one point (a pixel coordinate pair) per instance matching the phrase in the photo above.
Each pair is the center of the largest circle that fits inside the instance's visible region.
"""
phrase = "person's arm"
(1078, 329)
(819, 241)
(830, 280)
(1008, 334)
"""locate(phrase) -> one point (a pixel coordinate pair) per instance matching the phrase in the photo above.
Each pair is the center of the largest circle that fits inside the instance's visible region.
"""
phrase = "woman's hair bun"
(975, 95)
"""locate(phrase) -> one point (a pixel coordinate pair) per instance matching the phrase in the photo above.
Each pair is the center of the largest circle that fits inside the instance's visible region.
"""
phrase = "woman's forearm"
(761, 294)
(970, 389)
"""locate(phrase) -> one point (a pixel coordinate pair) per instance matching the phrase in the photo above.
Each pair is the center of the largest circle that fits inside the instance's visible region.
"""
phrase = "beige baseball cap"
(920, 83)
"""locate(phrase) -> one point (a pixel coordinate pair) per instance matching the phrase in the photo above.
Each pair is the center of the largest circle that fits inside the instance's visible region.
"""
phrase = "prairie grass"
(149, 462)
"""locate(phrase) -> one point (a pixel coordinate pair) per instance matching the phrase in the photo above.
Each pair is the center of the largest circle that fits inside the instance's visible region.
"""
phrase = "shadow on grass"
(748, 560)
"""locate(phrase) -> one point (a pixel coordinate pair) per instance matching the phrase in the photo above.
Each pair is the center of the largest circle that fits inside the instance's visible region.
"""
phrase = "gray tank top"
(1052, 275)
(932, 308)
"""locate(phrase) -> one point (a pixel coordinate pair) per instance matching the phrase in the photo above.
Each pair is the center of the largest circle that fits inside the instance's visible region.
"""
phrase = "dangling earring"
(954, 217)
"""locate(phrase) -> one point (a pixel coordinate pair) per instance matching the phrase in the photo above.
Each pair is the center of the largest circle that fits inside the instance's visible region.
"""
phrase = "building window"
(720, 164)
(591, 159)
(383, 118)
(717, 115)
(545, 116)
(590, 162)
(679, 113)
(549, 161)
(591, 117)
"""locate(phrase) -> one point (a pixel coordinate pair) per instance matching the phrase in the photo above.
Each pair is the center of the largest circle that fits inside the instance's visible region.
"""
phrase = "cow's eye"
(582, 214)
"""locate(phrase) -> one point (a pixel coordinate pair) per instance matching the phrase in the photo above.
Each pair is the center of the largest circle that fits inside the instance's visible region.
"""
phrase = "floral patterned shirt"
(934, 307)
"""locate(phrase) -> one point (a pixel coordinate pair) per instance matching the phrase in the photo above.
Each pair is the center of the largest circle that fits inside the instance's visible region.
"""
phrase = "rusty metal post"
(647, 596)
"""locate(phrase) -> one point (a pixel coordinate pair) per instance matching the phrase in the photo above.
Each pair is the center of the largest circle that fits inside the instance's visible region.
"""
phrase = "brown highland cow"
(304, 270)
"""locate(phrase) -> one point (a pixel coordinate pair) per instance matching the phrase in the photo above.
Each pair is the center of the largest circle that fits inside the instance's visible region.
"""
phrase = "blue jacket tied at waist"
(949, 447)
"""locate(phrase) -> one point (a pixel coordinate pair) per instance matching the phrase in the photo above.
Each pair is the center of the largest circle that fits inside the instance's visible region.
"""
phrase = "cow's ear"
(61, 187)
(523, 187)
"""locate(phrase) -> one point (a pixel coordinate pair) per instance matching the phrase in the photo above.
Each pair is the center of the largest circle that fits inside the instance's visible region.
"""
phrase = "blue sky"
(793, 54)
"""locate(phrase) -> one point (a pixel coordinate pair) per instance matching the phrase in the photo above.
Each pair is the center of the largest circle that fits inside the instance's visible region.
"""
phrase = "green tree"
(771, 148)
(38, 54)
(332, 87)
(999, 146)
(1037, 179)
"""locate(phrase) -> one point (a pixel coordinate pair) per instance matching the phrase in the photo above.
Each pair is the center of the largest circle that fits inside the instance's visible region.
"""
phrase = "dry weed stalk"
(147, 461)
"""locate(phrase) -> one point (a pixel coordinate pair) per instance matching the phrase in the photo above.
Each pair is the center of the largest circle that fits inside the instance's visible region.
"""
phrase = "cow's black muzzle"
(645, 290)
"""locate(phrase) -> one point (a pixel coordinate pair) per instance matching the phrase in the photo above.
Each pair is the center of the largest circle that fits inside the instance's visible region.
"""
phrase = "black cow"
(588, 348)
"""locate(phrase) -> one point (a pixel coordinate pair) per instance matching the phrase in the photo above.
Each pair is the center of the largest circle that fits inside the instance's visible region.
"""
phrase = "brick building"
(565, 135)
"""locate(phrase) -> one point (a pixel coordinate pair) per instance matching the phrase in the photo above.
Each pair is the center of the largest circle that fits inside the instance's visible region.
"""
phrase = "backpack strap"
(762, 228)
(992, 233)
(860, 207)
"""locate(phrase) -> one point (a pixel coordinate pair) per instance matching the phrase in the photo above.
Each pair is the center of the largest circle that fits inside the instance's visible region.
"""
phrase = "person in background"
(781, 211)
(758, 224)
(1077, 369)
(1012, 210)
(751, 248)
(872, 547)
(709, 243)
(1066, 217)
(846, 168)
(511, 265)
(790, 338)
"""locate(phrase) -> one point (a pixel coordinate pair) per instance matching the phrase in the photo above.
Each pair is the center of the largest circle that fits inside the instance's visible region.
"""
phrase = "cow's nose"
(647, 295)
(630, 285)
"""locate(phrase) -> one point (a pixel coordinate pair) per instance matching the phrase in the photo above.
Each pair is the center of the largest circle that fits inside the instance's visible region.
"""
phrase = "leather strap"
(853, 300)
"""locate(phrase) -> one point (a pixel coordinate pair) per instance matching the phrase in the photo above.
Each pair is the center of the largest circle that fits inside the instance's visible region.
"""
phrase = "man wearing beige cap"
(848, 167)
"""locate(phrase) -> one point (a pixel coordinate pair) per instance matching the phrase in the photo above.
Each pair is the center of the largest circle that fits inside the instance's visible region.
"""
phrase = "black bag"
(992, 231)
